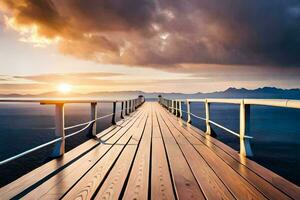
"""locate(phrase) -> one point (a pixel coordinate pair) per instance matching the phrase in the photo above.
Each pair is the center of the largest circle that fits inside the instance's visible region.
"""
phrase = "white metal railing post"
(207, 109)
(176, 108)
(126, 107)
(113, 120)
(188, 109)
(134, 104)
(59, 148)
(133, 107)
(245, 148)
(180, 110)
(93, 117)
(173, 102)
(122, 110)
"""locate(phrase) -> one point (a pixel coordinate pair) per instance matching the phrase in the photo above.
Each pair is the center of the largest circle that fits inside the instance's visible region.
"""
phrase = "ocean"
(275, 132)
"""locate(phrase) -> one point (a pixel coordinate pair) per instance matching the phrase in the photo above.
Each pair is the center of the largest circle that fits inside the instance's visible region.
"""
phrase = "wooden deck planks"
(211, 185)
(153, 155)
(114, 183)
(59, 184)
(90, 183)
(275, 180)
(256, 181)
(185, 183)
(11, 190)
(161, 183)
(267, 189)
(137, 186)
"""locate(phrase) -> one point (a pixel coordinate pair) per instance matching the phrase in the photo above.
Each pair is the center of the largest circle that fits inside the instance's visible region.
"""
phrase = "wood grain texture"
(185, 183)
(24, 182)
(87, 186)
(285, 186)
(137, 186)
(59, 184)
(256, 181)
(161, 183)
(211, 185)
(114, 183)
(238, 186)
(260, 184)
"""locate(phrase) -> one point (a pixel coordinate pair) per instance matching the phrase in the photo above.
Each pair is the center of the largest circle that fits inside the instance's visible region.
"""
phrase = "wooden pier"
(151, 154)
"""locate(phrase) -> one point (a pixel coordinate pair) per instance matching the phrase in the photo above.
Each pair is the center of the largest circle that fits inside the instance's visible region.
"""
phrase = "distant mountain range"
(265, 92)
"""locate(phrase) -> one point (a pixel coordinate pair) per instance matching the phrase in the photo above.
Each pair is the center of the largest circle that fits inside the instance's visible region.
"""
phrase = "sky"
(149, 45)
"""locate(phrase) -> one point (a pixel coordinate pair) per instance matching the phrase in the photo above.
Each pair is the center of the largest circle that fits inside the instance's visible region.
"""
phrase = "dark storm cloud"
(168, 32)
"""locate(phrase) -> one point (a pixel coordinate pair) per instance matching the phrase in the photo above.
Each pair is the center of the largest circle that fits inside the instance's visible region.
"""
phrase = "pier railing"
(174, 106)
(127, 106)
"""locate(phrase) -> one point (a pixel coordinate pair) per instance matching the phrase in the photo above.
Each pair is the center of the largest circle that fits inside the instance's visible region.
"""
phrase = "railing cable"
(55, 140)
(89, 122)
(214, 123)
(29, 151)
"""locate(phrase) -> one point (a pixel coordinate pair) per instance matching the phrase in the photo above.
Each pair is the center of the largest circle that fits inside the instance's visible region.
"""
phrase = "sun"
(64, 88)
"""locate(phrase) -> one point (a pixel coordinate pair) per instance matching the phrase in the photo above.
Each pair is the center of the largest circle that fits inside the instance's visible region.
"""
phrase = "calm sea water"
(24, 126)
(276, 133)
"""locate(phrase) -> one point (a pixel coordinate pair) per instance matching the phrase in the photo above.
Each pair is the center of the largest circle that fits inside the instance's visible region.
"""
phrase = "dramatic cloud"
(163, 32)
(89, 82)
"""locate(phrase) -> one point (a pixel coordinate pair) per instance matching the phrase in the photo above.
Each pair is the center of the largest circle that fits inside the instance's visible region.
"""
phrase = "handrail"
(89, 122)
(55, 140)
(59, 148)
(216, 124)
(29, 151)
(286, 103)
(58, 100)
(174, 106)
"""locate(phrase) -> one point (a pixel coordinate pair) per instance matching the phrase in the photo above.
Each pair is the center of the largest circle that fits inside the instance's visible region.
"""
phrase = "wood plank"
(86, 187)
(257, 181)
(211, 185)
(59, 184)
(276, 180)
(114, 183)
(137, 186)
(161, 183)
(41, 172)
(185, 183)
(237, 184)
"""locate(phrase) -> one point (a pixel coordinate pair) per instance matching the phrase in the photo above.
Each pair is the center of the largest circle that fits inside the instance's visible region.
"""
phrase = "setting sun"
(64, 88)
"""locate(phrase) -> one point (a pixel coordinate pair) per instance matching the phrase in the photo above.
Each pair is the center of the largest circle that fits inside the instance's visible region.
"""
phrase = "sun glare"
(64, 88)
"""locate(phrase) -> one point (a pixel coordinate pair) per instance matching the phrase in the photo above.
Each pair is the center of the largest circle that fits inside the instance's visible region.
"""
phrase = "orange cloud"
(160, 33)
